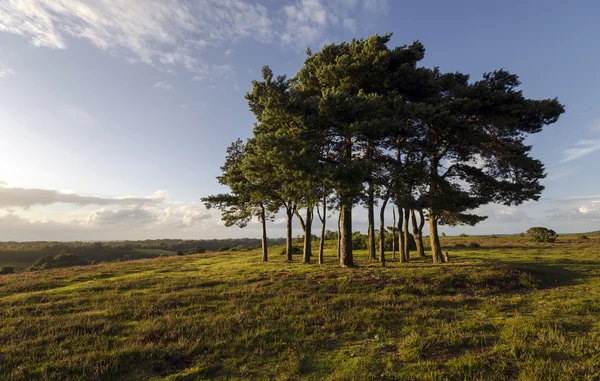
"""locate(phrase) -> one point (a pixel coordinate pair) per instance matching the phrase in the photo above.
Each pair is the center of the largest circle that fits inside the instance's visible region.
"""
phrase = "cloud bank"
(27, 197)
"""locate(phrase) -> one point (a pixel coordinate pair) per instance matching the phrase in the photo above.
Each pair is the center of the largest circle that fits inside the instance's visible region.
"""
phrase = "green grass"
(511, 309)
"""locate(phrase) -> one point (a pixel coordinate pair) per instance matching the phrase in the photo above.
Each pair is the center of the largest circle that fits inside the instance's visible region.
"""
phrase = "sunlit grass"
(510, 309)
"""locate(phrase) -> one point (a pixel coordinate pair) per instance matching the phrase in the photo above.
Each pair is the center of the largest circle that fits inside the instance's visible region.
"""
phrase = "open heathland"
(508, 309)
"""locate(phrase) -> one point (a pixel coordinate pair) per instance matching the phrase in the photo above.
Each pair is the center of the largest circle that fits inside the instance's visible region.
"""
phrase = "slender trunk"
(308, 235)
(394, 233)
(288, 243)
(346, 236)
(323, 220)
(371, 229)
(436, 247)
(401, 236)
(263, 222)
(339, 237)
(418, 232)
(406, 234)
(303, 226)
(382, 230)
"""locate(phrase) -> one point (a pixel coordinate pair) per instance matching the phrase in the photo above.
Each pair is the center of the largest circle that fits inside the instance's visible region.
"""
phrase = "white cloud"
(308, 21)
(4, 71)
(177, 32)
(129, 217)
(151, 31)
(27, 197)
(163, 86)
(377, 6)
(581, 149)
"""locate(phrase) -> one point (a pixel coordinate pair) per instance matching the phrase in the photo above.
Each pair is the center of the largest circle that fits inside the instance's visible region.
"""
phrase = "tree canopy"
(361, 121)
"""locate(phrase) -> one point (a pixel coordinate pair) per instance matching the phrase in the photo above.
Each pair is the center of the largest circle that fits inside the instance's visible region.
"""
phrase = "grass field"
(511, 309)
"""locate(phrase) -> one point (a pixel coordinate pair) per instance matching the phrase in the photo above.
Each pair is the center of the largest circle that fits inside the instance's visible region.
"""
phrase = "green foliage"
(474, 245)
(463, 235)
(57, 261)
(8, 269)
(197, 250)
(360, 241)
(443, 234)
(542, 234)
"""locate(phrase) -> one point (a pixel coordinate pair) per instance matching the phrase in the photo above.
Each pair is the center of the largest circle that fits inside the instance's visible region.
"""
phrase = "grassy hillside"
(510, 309)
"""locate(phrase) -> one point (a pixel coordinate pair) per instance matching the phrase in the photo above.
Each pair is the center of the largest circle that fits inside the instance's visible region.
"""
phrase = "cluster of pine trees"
(361, 122)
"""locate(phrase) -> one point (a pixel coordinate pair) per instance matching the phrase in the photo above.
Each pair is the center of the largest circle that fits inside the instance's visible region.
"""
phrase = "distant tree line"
(93, 252)
(364, 124)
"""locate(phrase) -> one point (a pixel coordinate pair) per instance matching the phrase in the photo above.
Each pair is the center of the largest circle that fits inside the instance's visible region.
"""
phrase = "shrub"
(463, 235)
(163, 255)
(8, 269)
(224, 248)
(583, 237)
(474, 245)
(493, 236)
(460, 246)
(443, 234)
(197, 250)
(295, 250)
(58, 261)
(180, 253)
(360, 241)
(542, 234)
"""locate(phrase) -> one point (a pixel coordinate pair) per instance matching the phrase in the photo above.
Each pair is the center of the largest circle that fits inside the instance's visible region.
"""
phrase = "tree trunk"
(323, 220)
(401, 236)
(339, 237)
(371, 229)
(436, 247)
(303, 225)
(406, 234)
(382, 230)
(394, 233)
(263, 222)
(308, 235)
(418, 231)
(288, 242)
(346, 236)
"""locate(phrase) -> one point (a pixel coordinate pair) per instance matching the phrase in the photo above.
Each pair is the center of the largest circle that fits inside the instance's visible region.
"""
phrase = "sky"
(115, 115)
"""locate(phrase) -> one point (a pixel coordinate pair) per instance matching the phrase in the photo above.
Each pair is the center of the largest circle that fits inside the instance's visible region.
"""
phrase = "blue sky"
(115, 115)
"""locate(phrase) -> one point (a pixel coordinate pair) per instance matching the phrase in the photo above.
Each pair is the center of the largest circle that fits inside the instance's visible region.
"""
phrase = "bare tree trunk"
(346, 259)
(323, 220)
(418, 232)
(263, 223)
(288, 239)
(339, 237)
(401, 236)
(371, 229)
(406, 233)
(308, 235)
(382, 230)
(436, 247)
(394, 233)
